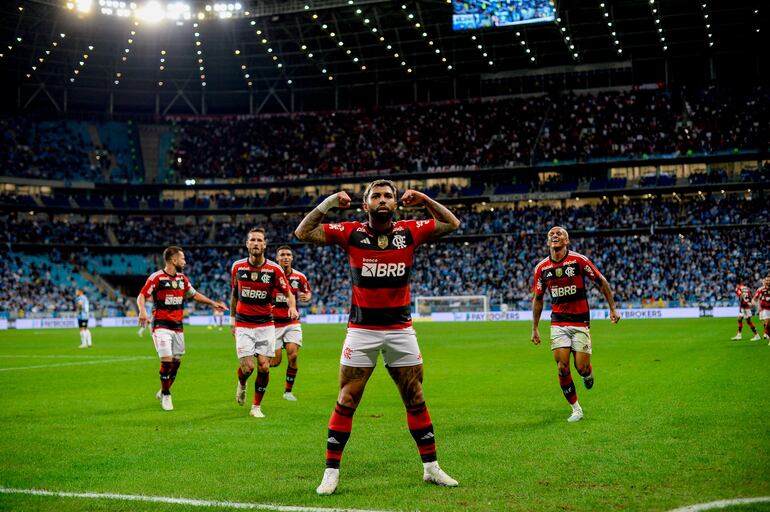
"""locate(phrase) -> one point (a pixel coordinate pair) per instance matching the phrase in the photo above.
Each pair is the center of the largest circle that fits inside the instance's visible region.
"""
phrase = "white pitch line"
(48, 356)
(178, 501)
(98, 361)
(722, 504)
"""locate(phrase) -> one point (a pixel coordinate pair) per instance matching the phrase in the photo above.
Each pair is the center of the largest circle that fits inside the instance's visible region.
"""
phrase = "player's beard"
(381, 215)
(179, 268)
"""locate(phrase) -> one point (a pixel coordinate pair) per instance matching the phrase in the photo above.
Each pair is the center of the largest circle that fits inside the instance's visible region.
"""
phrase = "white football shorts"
(250, 341)
(745, 313)
(764, 314)
(398, 346)
(578, 339)
(168, 343)
(291, 333)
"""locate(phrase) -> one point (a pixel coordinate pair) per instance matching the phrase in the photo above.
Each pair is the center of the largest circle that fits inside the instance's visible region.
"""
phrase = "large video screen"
(470, 14)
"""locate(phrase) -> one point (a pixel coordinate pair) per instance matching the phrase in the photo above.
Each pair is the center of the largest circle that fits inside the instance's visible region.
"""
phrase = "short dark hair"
(284, 248)
(256, 230)
(380, 183)
(170, 252)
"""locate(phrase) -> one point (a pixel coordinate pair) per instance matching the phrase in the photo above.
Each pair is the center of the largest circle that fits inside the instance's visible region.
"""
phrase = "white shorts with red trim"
(745, 313)
(291, 333)
(398, 346)
(250, 341)
(764, 314)
(168, 343)
(577, 339)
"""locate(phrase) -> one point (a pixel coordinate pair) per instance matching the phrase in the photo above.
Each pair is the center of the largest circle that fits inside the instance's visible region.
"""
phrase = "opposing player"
(380, 253)
(744, 298)
(288, 332)
(762, 299)
(83, 307)
(255, 281)
(168, 288)
(563, 274)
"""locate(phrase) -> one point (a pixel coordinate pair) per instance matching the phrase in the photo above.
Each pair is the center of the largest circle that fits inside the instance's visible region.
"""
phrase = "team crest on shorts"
(558, 272)
(254, 276)
(382, 241)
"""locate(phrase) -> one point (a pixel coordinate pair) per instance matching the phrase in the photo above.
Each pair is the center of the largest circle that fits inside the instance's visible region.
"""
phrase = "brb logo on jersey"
(173, 301)
(375, 269)
(253, 294)
(561, 291)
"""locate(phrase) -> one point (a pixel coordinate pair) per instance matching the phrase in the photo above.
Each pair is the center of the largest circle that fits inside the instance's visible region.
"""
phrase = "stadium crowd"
(717, 209)
(467, 134)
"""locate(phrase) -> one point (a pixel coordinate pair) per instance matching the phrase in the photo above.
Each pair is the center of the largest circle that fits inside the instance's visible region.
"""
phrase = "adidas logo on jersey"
(366, 241)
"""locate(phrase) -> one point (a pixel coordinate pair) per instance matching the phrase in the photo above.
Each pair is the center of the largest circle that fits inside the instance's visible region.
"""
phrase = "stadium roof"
(284, 55)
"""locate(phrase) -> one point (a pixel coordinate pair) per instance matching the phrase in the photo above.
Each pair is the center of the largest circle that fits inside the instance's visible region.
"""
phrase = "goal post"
(425, 305)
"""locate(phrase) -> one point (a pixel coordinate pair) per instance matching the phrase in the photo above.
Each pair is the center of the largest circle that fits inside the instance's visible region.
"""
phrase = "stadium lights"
(612, 29)
(709, 33)
(41, 58)
(80, 64)
(154, 11)
(379, 34)
(523, 44)
(126, 52)
(655, 8)
(357, 61)
(269, 49)
(569, 41)
(433, 46)
(199, 54)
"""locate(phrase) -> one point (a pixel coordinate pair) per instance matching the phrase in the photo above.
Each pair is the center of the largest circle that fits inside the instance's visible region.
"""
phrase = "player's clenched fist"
(339, 200)
(412, 198)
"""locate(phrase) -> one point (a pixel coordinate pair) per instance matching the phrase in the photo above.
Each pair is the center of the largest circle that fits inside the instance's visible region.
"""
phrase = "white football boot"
(577, 414)
(240, 394)
(433, 474)
(288, 395)
(329, 482)
(756, 337)
(256, 411)
(166, 403)
(159, 395)
(737, 337)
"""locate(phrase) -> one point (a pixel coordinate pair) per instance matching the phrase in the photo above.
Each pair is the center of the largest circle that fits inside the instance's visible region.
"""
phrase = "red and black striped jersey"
(255, 288)
(297, 283)
(168, 293)
(763, 296)
(744, 295)
(565, 280)
(380, 265)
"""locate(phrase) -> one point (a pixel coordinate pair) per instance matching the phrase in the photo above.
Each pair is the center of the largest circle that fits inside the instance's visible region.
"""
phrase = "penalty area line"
(712, 505)
(178, 501)
(76, 363)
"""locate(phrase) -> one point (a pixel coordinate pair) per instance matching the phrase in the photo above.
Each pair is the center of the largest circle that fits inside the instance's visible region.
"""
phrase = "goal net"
(426, 305)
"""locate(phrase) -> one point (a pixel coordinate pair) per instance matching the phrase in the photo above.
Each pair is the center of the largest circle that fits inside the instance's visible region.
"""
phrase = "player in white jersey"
(83, 307)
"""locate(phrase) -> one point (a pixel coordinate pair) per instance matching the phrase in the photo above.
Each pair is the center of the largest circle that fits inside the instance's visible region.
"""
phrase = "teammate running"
(288, 332)
(168, 289)
(564, 275)
(83, 307)
(380, 253)
(744, 298)
(762, 298)
(255, 281)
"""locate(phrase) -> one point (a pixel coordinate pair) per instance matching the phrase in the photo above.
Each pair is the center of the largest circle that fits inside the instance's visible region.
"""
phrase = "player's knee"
(292, 359)
(563, 368)
(264, 366)
(247, 365)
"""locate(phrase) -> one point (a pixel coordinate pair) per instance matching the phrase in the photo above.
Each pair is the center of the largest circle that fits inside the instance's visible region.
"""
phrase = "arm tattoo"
(446, 222)
(310, 230)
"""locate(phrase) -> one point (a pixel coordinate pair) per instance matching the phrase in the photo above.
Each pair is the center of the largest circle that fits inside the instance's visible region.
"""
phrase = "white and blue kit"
(84, 310)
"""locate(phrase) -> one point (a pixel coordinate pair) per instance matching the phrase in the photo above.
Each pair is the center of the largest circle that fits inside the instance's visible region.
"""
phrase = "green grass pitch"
(679, 415)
